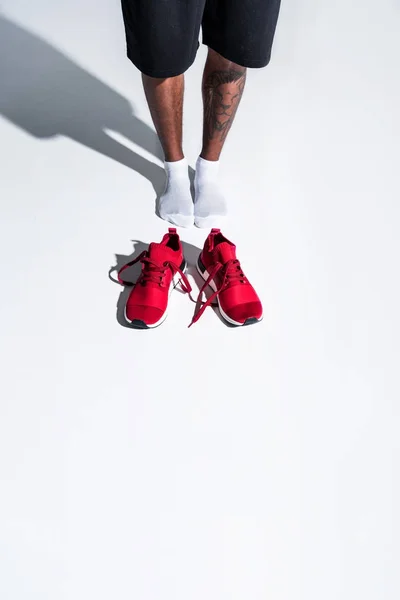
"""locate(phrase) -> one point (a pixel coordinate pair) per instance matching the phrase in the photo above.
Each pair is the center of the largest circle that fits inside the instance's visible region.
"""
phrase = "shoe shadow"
(191, 254)
(46, 94)
(130, 274)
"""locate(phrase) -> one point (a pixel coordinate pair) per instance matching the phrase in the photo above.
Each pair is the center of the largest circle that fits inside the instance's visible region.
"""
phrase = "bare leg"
(223, 85)
(165, 100)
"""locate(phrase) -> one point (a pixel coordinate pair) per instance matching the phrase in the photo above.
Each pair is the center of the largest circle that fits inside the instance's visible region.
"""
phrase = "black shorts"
(162, 35)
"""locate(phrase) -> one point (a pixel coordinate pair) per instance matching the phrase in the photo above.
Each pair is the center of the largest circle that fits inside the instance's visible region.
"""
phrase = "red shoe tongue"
(225, 252)
(161, 253)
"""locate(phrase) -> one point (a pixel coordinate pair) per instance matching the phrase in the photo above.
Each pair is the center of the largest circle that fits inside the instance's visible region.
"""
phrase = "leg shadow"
(45, 93)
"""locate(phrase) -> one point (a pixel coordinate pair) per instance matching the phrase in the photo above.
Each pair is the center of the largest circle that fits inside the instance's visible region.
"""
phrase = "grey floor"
(205, 463)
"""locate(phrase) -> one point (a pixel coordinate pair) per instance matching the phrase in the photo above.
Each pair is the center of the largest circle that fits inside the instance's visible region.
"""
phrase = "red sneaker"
(237, 300)
(163, 268)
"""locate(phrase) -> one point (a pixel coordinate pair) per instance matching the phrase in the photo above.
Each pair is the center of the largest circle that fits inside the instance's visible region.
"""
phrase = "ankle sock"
(209, 204)
(176, 204)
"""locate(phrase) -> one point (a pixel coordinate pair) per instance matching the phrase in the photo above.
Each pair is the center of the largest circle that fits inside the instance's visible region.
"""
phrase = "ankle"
(174, 156)
(210, 156)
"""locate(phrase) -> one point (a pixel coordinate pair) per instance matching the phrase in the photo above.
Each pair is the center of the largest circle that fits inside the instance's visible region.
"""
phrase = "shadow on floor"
(191, 254)
(47, 94)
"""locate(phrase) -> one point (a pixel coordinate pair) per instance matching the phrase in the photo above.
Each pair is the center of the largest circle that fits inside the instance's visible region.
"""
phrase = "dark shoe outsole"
(136, 324)
(251, 321)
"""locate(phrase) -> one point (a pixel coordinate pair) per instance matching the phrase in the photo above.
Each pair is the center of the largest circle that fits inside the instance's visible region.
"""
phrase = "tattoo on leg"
(222, 93)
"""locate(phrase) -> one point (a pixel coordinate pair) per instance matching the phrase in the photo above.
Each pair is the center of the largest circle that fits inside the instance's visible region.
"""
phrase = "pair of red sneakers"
(163, 268)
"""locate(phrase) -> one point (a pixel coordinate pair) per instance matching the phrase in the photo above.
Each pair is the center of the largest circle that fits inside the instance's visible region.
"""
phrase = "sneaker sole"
(137, 324)
(205, 275)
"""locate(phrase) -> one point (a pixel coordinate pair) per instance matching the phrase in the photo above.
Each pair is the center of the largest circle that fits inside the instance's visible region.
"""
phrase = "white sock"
(209, 203)
(176, 204)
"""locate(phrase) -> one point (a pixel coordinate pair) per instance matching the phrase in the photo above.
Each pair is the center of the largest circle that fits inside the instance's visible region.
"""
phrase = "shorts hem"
(157, 73)
(239, 60)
